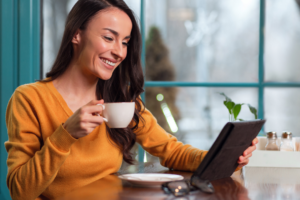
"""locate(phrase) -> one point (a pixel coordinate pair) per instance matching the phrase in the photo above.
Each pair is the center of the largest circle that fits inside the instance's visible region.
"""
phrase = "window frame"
(20, 30)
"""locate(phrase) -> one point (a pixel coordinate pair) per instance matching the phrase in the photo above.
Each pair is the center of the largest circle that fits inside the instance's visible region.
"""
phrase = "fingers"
(84, 120)
(88, 127)
(247, 154)
(92, 118)
(243, 158)
(97, 119)
(95, 102)
(90, 113)
(92, 108)
(249, 150)
(244, 162)
(255, 141)
(95, 109)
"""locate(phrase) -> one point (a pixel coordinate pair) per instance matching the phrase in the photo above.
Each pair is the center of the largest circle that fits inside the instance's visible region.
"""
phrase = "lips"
(108, 63)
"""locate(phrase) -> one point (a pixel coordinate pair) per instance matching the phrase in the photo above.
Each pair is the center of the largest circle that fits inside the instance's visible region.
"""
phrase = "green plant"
(235, 109)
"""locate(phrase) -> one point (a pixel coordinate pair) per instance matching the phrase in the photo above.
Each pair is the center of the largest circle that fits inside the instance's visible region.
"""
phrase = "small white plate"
(150, 179)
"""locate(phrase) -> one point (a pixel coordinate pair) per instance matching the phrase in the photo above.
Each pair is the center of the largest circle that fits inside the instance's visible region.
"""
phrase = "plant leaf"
(236, 110)
(226, 97)
(241, 119)
(229, 106)
(253, 110)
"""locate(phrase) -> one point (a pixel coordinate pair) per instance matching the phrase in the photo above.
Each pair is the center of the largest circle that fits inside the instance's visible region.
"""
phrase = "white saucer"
(150, 179)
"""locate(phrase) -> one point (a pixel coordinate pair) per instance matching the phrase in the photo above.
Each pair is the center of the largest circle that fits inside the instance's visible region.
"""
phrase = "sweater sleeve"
(32, 162)
(172, 153)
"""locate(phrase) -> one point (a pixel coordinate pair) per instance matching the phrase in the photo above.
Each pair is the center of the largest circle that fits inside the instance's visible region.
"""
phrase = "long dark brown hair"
(127, 81)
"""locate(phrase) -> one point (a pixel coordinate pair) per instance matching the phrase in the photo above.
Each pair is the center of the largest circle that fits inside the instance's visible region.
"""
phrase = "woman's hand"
(244, 159)
(85, 119)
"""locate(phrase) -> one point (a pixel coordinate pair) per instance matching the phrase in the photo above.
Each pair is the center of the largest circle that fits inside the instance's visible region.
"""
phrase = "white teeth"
(108, 62)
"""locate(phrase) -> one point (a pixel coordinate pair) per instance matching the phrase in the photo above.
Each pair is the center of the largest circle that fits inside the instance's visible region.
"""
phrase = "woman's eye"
(108, 38)
(126, 44)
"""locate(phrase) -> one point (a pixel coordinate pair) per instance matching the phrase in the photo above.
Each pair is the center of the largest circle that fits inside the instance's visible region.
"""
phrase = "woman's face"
(102, 46)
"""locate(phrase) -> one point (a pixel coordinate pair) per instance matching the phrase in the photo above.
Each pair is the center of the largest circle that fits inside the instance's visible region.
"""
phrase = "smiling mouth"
(108, 62)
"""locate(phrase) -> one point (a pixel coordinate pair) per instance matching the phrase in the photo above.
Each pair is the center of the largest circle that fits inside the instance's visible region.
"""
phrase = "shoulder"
(31, 90)
(27, 98)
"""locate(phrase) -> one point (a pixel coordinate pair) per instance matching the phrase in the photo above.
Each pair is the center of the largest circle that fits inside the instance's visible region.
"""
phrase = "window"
(212, 47)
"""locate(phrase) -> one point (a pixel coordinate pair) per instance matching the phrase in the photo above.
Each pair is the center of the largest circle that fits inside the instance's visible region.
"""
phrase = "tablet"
(233, 140)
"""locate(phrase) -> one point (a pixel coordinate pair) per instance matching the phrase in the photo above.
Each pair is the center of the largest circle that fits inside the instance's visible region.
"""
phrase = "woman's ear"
(77, 37)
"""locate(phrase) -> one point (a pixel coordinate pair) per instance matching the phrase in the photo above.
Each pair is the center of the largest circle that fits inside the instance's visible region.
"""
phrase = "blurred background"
(209, 41)
(194, 50)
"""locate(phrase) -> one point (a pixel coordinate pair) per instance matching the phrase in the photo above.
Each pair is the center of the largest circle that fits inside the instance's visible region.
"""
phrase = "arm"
(32, 163)
(172, 153)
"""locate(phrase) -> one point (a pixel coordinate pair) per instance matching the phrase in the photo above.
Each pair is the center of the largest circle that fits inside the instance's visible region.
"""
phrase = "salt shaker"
(286, 142)
(272, 144)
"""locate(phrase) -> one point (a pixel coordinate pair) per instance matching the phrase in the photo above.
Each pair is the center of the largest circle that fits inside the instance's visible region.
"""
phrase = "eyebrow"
(116, 33)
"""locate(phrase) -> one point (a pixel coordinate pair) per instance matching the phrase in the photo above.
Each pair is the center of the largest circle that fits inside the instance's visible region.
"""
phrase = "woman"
(57, 142)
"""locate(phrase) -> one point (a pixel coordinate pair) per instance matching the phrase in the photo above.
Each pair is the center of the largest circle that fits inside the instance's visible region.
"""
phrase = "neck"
(74, 83)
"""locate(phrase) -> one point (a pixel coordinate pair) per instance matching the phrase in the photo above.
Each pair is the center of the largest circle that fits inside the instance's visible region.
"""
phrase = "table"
(249, 183)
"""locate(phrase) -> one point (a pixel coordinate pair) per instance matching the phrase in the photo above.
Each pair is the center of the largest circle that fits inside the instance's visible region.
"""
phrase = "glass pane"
(282, 40)
(54, 15)
(282, 110)
(202, 40)
(135, 6)
(199, 113)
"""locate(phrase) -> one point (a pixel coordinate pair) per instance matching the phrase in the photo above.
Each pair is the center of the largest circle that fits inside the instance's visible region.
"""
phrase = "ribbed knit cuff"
(61, 139)
(198, 159)
(238, 168)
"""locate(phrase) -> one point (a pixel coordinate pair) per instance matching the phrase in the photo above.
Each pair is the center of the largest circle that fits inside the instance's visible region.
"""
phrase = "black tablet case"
(233, 140)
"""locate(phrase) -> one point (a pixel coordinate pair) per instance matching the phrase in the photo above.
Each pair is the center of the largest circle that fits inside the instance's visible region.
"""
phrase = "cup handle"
(103, 107)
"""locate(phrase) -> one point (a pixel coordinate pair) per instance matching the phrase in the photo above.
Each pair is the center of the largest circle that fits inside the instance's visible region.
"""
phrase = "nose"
(118, 50)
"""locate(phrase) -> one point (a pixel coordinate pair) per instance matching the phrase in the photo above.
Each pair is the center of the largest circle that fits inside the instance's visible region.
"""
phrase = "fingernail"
(103, 106)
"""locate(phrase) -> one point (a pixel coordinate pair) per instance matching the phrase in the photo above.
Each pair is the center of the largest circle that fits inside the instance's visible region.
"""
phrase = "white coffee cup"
(118, 114)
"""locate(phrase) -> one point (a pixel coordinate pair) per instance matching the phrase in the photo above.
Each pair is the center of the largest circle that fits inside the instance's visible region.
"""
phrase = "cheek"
(96, 47)
(101, 47)
(125, 54)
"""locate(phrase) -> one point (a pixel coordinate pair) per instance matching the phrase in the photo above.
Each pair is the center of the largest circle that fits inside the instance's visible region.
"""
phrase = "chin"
(105, 76)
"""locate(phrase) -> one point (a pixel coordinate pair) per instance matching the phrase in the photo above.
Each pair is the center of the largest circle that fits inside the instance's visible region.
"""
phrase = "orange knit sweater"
(45, 161)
